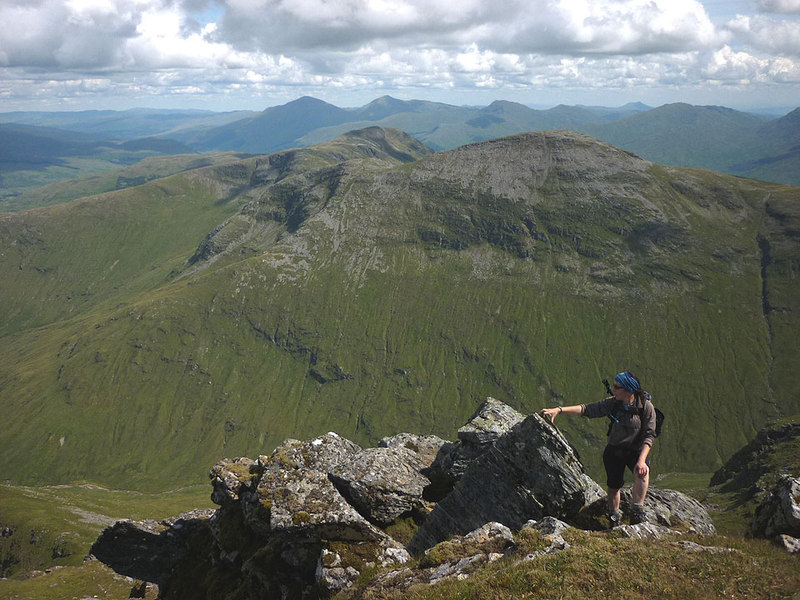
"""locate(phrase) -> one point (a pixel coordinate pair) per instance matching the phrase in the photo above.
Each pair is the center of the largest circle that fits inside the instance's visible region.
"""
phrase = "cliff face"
(314, 516)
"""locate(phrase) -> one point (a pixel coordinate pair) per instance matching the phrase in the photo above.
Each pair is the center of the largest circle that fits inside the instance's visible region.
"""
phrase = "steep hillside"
(345, 288)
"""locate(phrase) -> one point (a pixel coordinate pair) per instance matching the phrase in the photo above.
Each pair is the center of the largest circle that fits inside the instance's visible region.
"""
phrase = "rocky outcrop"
(383, 484)
(492, 420)
(148, 550)
(528, 473)
(744, 469)
(308, 519)
(779, 513)
(662, 509)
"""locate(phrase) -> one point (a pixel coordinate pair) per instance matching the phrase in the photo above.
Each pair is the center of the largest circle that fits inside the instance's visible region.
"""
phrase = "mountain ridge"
(371, 295)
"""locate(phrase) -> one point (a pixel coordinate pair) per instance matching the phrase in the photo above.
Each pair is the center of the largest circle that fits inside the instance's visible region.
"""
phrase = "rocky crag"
(313, 517)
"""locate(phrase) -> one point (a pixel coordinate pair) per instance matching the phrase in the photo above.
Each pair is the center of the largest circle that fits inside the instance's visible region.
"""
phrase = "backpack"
(639, 411)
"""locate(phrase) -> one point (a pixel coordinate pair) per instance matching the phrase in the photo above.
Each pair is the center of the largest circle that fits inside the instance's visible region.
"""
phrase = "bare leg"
(640, 486)
(613, 500)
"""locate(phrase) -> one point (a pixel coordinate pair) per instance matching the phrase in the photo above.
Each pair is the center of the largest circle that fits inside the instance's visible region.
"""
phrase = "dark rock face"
(745, 468)
(492, 420)
(779, 513)
(528, 473)
(148, 550)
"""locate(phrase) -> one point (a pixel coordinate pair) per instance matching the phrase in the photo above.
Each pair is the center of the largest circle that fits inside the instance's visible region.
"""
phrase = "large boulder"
(426, 447)
(492, 420)
(383, 484)
(528, 473)
(779, 513)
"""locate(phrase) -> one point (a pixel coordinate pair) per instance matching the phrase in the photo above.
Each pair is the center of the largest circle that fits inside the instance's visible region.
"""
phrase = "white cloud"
(770, 35)
(779, 6)
(286, 48)
(549, 26)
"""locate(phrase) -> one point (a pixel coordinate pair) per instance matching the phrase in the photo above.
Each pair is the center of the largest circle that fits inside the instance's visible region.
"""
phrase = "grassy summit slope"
(346, 288)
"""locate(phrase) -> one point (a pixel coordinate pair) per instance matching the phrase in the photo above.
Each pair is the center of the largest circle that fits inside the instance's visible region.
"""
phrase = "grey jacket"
(632, 430)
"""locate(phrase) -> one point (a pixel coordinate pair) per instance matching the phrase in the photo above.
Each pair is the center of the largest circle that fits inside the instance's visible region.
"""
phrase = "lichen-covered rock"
(788, 543)
(383, 484)
(492, 420)
(331, 576)
(230, 477)
(426, 447)
(644, 531)
(779, 512)
(322, 453)
(304, 499)
(675, 509)
(528, 473)
(665, 508)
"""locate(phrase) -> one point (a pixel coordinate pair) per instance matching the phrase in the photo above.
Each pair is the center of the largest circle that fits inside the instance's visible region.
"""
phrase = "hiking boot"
(637, 514)
(615, 518)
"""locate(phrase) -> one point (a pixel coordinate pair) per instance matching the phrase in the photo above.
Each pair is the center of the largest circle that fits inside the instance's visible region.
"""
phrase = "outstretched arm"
(551, 413)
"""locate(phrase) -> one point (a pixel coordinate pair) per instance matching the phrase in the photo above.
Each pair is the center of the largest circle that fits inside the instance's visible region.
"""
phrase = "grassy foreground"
(599, 566)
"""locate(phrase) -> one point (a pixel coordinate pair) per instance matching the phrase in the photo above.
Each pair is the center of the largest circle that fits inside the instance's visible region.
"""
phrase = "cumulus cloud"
(779, 6)
(767, 34)
(286, 48)
(549, 26)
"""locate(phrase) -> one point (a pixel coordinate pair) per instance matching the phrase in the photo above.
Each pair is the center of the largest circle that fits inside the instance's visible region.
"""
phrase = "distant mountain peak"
(382, 107)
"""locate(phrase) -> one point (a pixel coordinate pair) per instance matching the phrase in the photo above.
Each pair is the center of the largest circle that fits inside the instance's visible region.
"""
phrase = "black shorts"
(615, 459)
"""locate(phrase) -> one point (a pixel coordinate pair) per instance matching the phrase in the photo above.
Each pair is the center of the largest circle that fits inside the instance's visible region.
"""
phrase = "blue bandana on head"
(627, 381)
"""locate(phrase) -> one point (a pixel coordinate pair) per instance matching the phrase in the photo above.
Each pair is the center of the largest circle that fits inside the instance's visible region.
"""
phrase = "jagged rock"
(788, 543)
(550, 527)
(331, 576)
(695, 547)
(383, 484)
(671, 508)
(492, 420)
(322, 453)
(456, 557)
(147, 550)
(528, 473)
(230, 477)
(744, 469)
(458, 568)
(393, 556)
(644, 531)
(426, 447)
(666, 508)
(779, 513)
(304, 499)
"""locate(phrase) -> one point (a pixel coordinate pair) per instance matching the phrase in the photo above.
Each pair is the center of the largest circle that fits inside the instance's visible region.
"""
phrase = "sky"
(253, 54)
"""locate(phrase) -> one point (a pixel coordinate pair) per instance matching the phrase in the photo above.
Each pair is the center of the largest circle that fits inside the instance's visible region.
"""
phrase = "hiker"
(630, 439)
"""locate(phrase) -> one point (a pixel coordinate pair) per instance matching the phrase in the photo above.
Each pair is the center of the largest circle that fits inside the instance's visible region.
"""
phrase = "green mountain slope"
(33, 156)
(138, 173)
(710, 137)
(345, 288)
